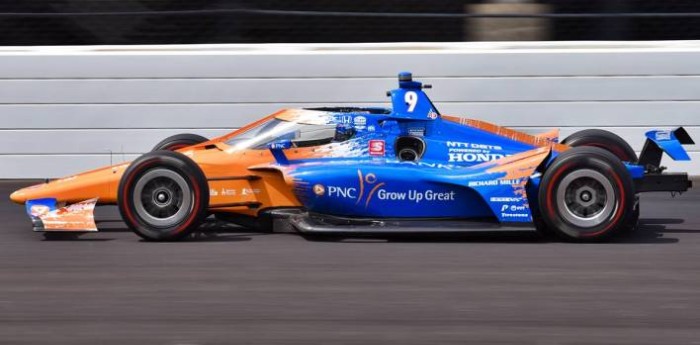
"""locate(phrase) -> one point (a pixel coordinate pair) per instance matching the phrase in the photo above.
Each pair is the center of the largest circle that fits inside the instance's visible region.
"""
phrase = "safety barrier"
(67, 109)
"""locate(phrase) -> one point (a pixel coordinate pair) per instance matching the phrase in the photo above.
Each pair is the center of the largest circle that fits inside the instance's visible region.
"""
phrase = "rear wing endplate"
(660, 141)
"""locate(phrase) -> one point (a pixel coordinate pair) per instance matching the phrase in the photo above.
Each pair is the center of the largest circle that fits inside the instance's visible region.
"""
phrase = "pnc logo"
(363, 192)
(319, 190)
(342, 192)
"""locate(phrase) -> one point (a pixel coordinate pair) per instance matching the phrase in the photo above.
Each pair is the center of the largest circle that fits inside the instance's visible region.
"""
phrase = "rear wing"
(660, 141)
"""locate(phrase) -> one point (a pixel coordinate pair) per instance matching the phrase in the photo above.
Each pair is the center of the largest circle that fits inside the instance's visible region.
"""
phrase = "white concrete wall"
(63, 109)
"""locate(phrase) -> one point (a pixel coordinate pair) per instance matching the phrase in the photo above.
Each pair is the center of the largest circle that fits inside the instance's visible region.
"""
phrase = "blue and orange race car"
(372, 171)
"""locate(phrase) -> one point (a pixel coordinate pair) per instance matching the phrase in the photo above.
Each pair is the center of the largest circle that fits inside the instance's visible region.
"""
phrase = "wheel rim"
(586, 198)
(162, 198)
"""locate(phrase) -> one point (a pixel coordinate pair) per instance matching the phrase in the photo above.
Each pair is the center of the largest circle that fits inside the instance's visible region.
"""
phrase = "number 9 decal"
(411, 99)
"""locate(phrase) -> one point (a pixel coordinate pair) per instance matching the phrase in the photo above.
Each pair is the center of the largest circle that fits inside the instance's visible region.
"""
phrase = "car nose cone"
(17, 197)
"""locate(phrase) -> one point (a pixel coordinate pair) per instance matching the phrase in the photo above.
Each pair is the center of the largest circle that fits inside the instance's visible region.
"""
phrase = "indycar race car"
(372, 171)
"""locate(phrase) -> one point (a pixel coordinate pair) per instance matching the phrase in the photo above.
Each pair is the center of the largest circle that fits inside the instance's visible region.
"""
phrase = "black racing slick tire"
(179, 141)
(587, 195)
(605, 140)
(163, 196)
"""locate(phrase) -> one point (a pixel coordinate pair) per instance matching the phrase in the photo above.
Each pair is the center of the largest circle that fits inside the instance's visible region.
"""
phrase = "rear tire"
(179, 141)
(605, 140)
(587, 195)
(163, 196)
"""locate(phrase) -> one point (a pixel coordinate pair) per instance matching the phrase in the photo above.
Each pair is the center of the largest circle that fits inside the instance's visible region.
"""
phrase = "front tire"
(587, 195)
(163, 196)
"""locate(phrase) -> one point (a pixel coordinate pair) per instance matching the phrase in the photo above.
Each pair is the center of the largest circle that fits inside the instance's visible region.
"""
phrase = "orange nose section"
(18, 197)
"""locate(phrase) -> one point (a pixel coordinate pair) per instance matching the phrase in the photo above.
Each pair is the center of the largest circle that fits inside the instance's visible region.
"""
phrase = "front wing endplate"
(77, 217)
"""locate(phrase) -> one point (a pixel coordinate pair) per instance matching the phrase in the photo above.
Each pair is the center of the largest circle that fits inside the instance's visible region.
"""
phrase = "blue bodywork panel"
(669, 143)
(462, 170)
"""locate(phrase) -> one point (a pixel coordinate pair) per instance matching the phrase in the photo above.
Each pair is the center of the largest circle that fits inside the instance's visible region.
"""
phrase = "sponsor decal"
(279, 146)
(482, 183)
(39, 210)
(342, 192)
(461, 152)
(249, 191)
(486, 183)
(514, 215)
(505, 199)
(76, 217)
(432, 114)
(435, 165)
(416, 132)
(663, 135)
(416, 195)
(319, 190)
(371, 128)
(513, 208)
(370, 189)
(377, 148)
(344, 119)
(233, 192)
(371, 178)
(474, 157)
(360, 122)
(515, 211)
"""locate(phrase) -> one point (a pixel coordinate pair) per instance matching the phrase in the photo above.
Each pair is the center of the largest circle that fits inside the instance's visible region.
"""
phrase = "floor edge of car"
(305, 223)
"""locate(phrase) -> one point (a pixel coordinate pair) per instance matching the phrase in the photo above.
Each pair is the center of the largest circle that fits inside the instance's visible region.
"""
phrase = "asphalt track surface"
(234, 287)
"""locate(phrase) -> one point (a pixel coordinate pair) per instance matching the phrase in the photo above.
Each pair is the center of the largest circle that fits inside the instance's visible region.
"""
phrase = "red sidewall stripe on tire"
(550, 190)
(619, 211)
(127, 187)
